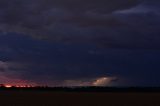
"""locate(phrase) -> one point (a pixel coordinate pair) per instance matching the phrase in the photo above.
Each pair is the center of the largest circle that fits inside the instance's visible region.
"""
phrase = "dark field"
(49, 98)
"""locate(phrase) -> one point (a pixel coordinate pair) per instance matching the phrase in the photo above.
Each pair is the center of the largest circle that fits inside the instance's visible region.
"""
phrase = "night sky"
(80, 42)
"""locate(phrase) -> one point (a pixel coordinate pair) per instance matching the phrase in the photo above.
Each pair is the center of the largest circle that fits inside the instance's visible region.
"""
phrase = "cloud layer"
(82, 21)
(130, 24)
(44, 63)
(82, 40)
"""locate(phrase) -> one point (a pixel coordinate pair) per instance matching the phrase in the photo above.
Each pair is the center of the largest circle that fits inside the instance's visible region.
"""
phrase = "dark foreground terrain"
(50, 98)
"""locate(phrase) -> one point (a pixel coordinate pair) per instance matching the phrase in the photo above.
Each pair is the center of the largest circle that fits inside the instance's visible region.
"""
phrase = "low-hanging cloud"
(104, 81)
(100, 81)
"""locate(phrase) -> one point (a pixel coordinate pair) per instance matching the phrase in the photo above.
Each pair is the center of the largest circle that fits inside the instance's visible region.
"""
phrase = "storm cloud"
(32, 61)
(80, 42)
(80, 21)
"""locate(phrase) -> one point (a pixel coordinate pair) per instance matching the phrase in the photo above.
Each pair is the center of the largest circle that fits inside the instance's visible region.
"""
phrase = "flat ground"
(47, 98)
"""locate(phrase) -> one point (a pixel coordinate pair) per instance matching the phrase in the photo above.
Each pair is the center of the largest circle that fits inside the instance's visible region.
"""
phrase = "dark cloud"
(85, 41)
(41, 62)
(61, 20)
(130, 24)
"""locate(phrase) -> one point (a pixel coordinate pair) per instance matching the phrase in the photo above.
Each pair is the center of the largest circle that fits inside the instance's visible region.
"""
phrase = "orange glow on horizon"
(17, 86)
(8, 86)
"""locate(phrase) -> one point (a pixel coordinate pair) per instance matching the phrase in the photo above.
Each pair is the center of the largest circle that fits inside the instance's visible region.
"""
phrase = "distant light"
(8, 86)
(23, 86)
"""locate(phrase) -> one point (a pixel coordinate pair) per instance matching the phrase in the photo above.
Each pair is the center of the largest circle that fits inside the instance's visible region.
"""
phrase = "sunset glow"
(17, 86)
(8, 86)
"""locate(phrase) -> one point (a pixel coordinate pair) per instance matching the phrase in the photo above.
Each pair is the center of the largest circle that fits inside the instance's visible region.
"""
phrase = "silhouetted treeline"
(86, 89)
